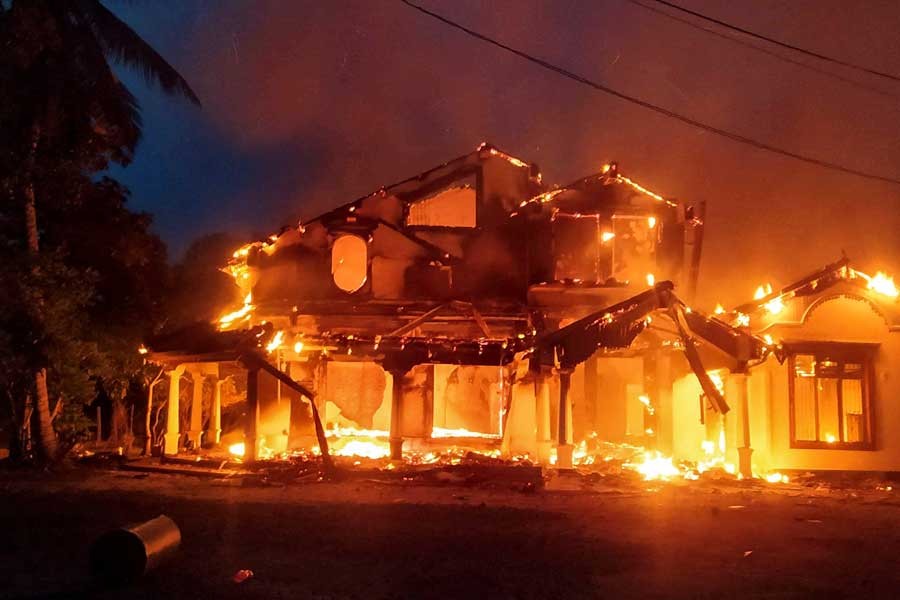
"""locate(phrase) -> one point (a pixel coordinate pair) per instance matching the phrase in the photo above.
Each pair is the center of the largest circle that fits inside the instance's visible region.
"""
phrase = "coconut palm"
(64, 108)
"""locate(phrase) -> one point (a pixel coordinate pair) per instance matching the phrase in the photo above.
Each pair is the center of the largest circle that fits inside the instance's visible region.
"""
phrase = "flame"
(298, 347)
(719, 309)
(645, 400)
(883, 284)
(651, 222)
(142, 349)
(775, 305)
(607, 236)
(512, 159)
(651, 279)
(776, 477)
(716, 378)
(243, 313)
(363, 449)
(640, 188)
(238, 449)
(656, 466)
(440, 432)
(543, 198)
(768, 339)
(275, 342)
(742, 320)
(830, 438)
(354, 432)
(762, 291)
(243, 251)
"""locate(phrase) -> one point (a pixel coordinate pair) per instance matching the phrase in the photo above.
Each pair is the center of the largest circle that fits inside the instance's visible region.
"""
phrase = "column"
(195, 435)
(396, 434)
(542, 416)
(745, 452)
(564, 445)
(251, 417)
(173, 427)
(215, 416)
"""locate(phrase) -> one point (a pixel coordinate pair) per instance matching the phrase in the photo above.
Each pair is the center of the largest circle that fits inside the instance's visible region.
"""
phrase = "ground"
(371, 539)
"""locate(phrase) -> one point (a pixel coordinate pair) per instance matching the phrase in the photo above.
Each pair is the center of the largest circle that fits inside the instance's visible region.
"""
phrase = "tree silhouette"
(63, 111)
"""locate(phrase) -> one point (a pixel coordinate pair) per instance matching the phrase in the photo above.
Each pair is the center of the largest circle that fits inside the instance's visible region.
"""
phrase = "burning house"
(474, 306)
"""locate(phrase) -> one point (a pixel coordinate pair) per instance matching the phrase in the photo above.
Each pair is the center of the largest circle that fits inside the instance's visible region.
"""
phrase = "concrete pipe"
(126, 554)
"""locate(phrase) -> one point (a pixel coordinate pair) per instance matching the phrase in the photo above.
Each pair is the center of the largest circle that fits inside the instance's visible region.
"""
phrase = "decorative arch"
(876, 307)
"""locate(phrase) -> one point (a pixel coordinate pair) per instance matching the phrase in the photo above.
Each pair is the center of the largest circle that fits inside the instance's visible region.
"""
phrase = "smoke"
(319, 103)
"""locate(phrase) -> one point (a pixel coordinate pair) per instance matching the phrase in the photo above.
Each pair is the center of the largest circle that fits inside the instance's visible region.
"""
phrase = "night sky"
(311, 104)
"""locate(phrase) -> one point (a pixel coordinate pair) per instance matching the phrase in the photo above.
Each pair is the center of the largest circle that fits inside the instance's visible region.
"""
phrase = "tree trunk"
(46, 446)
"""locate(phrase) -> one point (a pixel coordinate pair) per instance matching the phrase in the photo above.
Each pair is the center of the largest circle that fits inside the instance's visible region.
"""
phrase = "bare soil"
(370, 539)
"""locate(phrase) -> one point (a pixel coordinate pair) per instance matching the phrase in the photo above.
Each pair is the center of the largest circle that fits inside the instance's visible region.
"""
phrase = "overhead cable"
(655, 108)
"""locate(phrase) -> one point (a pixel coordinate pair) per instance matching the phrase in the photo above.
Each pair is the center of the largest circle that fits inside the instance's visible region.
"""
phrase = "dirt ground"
(368, 539)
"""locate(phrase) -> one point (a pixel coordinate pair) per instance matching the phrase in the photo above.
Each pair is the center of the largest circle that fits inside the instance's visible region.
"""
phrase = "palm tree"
(71, 110)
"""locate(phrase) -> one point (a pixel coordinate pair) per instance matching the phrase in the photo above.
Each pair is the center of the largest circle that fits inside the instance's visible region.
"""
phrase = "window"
(830, 395)
(349, 262)
(451, 207)
(634, 247)
(580, 250)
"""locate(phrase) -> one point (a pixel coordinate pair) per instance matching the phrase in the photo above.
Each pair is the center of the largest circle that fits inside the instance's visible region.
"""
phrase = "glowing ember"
(651, 279)
(143, 349)
(607, 236)
(830, 438)
(719, 309)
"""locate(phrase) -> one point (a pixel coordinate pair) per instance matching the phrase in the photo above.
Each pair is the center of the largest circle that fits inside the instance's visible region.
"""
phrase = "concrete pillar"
(396, 433)
(251, 418)
(173, 428)
(214, 433)
(542, 416)
(195, 435)
(745, 452)
(564, 443)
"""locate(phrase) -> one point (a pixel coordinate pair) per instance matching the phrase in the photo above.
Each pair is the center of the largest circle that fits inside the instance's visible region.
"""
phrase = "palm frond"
(123, 45)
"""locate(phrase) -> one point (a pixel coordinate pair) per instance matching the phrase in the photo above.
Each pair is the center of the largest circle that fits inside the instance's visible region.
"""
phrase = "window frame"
(842, 353)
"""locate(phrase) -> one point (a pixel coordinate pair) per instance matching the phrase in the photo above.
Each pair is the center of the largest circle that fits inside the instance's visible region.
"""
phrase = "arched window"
(349, 262)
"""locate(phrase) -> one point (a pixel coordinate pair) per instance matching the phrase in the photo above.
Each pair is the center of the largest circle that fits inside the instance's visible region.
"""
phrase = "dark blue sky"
(310, 104)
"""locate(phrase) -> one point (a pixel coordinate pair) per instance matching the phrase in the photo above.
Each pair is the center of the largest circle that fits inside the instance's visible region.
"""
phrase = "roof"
(608, 175)
(833, 280)
(433, 178)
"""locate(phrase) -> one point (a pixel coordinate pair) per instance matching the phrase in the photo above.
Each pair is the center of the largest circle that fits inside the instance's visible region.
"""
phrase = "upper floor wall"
(479, 228)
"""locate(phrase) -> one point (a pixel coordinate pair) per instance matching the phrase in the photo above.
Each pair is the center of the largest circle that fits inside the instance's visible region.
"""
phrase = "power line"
(776, 55)
(650, 106)
(758, 36)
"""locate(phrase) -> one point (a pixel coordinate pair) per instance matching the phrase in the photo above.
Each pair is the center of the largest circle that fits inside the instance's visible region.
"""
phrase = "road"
(366, 539)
